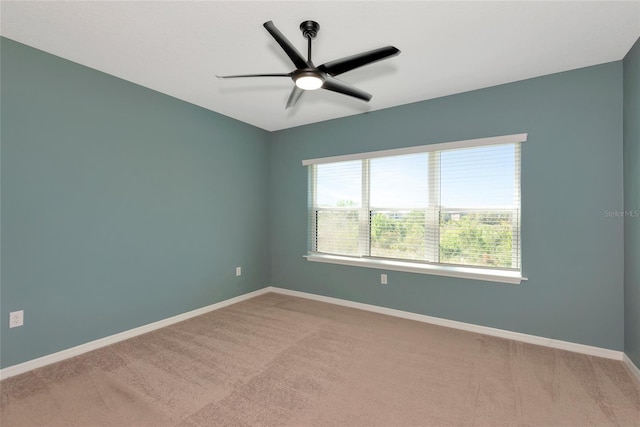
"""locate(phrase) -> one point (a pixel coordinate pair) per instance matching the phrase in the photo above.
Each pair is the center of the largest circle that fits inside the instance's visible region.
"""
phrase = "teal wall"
(632, 204)
(571, 175)
(120, 206)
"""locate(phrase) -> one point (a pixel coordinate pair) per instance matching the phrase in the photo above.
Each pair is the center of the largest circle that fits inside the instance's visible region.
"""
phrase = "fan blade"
(296, 92)
(349, 63)
(297, 59)
(339, 86)
(254, 75)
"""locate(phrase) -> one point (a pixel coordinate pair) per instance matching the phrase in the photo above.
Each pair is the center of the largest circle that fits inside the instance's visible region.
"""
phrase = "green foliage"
(338, 232)
(480, 238)
(398, 235)
(483, 239)
(345, 203)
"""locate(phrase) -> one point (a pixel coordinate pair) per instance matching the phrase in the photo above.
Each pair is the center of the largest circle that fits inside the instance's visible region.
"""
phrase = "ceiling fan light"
(309, 82)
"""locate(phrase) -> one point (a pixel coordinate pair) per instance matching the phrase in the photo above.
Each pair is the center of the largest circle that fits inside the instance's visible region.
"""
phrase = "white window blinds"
(445, 204)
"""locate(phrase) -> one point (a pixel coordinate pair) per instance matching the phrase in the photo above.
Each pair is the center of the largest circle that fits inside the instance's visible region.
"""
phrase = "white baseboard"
(517, 336)
(532, 339)
(112, 339)
(633, 369)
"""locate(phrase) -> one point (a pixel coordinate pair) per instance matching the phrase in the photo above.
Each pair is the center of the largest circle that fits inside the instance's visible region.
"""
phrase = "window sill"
(500, 276)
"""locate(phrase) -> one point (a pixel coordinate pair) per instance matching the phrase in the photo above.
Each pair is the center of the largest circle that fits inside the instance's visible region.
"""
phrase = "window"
(450, 209)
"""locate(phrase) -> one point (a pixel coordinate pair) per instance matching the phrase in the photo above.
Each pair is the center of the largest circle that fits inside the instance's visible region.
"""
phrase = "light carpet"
(277, 360)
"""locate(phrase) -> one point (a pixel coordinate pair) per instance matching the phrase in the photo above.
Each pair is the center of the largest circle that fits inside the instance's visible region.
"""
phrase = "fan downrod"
(309, 29)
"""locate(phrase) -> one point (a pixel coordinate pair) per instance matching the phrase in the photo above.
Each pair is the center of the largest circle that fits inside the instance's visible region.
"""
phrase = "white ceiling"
(177, 47)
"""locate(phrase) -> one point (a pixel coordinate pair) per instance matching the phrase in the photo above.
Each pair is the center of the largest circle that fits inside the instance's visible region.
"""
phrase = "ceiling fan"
(307, 76)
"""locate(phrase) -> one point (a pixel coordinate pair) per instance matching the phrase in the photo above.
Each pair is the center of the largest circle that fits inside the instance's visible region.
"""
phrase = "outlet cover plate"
(16, 318)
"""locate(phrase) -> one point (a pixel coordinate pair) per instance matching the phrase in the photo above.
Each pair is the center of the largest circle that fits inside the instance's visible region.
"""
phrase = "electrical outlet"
(238, 271)
(383, 279)
(16, 318)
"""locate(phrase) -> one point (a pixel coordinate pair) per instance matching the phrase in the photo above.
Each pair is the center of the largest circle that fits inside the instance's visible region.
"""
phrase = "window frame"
(512, 276)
